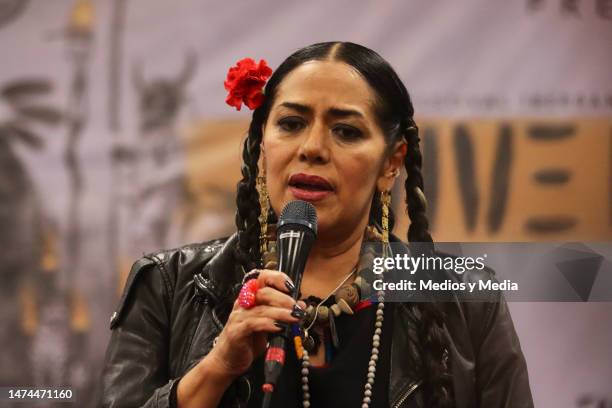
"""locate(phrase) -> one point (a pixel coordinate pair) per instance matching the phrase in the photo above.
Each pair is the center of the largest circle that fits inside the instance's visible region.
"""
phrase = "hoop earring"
(264, 204)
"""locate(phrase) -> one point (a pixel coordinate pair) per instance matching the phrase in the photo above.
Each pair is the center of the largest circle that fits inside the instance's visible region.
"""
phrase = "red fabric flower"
(245, 82)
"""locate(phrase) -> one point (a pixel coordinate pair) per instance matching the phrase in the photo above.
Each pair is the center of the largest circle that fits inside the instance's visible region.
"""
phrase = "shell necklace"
(367, 393)
(270, 260)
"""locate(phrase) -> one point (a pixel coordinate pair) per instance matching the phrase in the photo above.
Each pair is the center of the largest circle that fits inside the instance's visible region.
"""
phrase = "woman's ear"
(392, 166)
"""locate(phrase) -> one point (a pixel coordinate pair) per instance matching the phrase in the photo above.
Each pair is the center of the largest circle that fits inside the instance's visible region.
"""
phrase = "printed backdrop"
(115, 140)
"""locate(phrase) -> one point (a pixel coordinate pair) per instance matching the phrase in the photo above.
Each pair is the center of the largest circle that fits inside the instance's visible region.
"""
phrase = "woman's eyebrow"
(336, 112)
(297, 107)
(343, 113)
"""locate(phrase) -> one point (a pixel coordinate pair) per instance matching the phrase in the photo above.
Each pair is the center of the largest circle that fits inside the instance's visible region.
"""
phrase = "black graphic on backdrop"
(504, 155)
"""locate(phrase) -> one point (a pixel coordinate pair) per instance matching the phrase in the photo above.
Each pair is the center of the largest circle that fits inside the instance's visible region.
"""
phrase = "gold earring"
(395, 173)
(264, 204)
(385, 201)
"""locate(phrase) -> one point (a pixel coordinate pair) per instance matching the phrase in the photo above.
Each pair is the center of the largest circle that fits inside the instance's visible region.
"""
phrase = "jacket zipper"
(407, 393)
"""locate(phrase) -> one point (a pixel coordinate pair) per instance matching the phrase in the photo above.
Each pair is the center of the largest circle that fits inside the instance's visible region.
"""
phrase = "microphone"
(296, 231)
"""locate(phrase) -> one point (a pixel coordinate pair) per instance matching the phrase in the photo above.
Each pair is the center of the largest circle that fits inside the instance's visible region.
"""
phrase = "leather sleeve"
(501, 379)
(135, 372)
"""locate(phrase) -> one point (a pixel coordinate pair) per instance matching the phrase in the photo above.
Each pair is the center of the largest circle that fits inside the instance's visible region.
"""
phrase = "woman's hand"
(242, 339)
(245, 334)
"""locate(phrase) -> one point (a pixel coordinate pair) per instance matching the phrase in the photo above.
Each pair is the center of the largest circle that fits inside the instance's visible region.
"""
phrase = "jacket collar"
(220, 272)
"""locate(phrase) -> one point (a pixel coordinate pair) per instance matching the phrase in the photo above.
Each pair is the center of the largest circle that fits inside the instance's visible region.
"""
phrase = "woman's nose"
(314, 148)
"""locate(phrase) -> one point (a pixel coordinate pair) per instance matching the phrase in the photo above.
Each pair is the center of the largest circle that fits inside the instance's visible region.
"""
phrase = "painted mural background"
(115, 140)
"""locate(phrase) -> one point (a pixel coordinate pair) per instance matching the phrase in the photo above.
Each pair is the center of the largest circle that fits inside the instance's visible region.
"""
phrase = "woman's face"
(322, 144)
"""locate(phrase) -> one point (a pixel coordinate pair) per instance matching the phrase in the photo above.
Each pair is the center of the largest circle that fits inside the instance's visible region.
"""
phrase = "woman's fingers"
(273, 305)
(275, 279)
(279, 314)
(275, 289)
(257, 324)
(272, 297)
(245, 332)
(260, 318)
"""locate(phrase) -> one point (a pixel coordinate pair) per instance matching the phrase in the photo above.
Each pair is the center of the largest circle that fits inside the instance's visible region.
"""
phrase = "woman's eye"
(291, 124)
(348, 133)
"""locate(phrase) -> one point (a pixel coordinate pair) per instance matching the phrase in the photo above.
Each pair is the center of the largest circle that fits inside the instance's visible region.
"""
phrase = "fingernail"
(289, 285)
(279, 325)
(298, 312)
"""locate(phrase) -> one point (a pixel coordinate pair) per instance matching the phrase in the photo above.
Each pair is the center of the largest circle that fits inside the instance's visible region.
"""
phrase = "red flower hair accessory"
(245, 83)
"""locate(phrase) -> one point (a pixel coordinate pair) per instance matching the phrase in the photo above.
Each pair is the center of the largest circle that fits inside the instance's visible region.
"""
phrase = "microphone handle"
(291, 263)
(275, 359)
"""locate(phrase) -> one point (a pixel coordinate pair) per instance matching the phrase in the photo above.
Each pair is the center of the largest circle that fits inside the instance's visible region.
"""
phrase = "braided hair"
(394, 112)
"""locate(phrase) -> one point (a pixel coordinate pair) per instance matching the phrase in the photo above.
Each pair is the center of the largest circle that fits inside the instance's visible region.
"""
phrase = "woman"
(334, 128)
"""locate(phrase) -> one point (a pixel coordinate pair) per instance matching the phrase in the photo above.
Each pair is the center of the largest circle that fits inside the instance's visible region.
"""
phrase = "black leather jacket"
(167, 320)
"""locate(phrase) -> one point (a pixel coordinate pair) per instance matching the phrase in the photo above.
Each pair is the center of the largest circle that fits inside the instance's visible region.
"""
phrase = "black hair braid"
(433, 342)
(419, 225)
(247, 200)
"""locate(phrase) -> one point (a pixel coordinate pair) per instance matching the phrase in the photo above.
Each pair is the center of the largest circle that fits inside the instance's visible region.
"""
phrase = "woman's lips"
(309, 195)
(309, 187)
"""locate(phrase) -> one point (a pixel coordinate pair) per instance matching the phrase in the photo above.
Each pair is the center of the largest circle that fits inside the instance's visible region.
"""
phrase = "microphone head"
(300, 215)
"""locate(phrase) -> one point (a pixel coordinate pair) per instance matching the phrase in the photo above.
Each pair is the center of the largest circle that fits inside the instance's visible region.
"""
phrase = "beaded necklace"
(347, 297)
